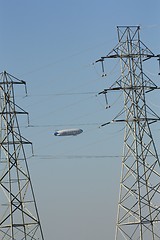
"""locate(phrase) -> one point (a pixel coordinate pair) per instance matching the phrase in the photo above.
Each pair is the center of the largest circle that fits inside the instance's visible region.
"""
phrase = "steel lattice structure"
(19, 219)
(138, 214)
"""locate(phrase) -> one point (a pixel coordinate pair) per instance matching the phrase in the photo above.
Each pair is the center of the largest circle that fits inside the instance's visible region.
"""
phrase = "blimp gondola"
(68, 132)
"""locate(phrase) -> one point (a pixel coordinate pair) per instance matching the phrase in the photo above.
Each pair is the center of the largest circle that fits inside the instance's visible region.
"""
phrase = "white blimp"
(68, 132)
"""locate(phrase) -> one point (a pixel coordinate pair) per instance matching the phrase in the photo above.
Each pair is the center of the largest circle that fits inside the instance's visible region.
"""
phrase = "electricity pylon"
(138, 214)
(19, 219)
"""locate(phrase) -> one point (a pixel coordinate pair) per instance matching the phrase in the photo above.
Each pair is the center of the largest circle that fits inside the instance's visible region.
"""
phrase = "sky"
(52, 45)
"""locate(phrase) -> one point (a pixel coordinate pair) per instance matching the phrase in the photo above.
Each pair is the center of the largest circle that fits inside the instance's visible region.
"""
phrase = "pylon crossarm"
(12, 79)
(129, 88)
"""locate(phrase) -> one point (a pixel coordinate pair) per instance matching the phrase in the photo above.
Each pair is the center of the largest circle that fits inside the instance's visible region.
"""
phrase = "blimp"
(68, 132)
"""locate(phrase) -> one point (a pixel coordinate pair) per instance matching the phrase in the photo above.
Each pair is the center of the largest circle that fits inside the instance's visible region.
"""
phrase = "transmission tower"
(19, 219)
(138, 214)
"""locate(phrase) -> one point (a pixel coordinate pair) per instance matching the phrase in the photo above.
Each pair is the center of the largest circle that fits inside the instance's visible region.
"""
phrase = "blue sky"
(52, 45)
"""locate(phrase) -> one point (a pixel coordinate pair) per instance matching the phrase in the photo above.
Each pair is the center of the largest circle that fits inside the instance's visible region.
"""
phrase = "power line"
(50, 156)
(61, 94)
(75, 156)
(62, 125)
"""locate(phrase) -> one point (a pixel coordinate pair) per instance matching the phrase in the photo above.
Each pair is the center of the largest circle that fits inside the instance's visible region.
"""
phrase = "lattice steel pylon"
(138, 214)
(19, 219)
